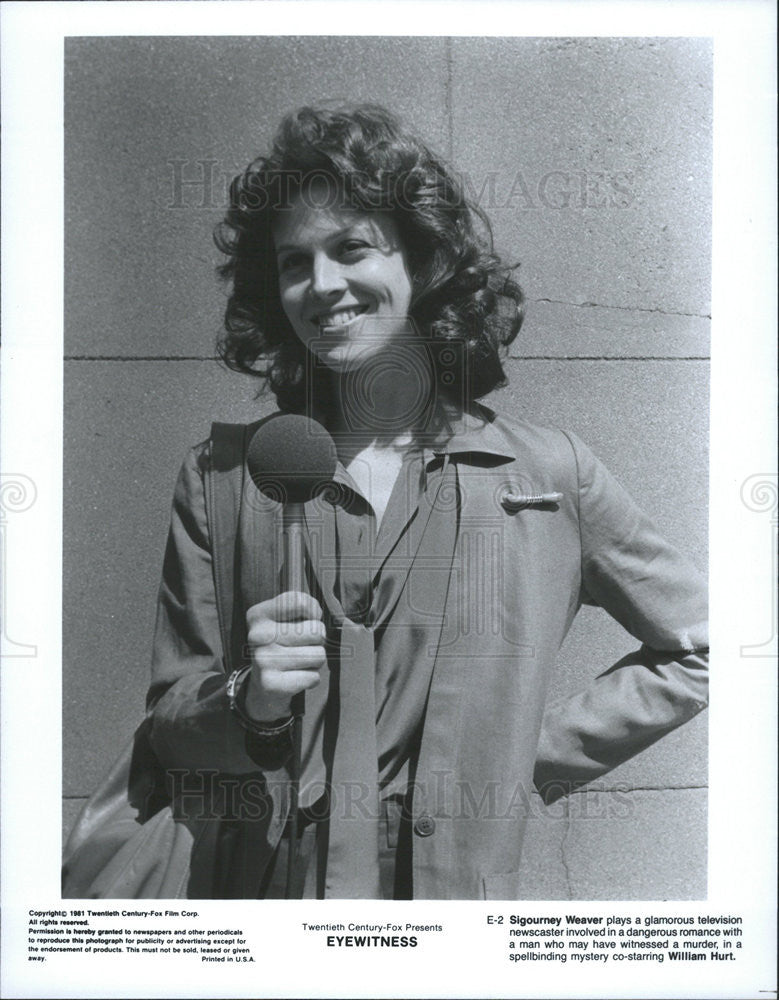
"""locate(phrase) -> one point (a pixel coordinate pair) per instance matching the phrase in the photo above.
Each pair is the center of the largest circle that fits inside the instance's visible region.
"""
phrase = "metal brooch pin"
(513, 502)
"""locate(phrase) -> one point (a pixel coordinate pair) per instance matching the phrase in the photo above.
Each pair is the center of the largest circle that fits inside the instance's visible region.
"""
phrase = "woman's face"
(344, 280)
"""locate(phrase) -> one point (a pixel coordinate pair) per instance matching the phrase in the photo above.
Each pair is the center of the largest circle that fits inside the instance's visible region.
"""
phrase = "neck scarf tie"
(349, 740)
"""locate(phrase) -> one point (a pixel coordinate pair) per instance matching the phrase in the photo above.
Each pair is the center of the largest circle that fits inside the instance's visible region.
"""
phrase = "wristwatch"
(268, 732)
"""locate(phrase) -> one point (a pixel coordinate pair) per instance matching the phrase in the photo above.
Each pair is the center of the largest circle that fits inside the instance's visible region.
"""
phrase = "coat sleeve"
(658, 596)
(192, 727)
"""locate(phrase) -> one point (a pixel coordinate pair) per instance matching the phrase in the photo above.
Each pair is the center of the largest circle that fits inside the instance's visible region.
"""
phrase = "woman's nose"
(326, 276)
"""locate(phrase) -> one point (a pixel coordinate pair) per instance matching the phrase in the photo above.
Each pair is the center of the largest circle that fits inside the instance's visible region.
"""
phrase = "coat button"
(424, 826)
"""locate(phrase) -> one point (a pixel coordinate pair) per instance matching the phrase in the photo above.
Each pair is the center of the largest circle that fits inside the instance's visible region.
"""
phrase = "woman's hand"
(286, 638)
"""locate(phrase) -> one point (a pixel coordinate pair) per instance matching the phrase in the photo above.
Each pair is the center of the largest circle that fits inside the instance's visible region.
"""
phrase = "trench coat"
(542, 529)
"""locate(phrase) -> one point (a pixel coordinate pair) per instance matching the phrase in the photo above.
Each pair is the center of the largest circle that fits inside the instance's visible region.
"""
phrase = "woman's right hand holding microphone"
(287, 646)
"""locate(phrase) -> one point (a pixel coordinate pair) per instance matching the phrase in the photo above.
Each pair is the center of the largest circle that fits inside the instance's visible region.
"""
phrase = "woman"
(444, 567)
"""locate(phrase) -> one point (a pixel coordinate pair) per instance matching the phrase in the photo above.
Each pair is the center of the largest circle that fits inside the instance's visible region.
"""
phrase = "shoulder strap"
(225, 477)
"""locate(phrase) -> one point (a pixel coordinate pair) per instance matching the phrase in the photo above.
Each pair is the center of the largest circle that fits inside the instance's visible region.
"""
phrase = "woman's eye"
(352, 247)
(292, 262)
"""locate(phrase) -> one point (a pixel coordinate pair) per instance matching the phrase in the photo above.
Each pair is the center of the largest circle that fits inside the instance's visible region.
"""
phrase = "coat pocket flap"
(504, 885)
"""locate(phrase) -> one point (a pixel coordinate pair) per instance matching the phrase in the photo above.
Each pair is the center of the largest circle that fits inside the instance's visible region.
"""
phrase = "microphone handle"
(294, 569)
(294, 578)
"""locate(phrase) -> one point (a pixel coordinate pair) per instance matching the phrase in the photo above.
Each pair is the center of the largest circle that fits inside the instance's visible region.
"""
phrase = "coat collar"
(468, 434)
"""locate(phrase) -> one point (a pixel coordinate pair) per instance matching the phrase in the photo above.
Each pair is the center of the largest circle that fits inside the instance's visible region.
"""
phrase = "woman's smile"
(335, 319)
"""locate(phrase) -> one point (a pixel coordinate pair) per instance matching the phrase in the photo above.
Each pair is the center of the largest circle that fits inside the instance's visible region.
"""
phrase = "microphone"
(291, 458)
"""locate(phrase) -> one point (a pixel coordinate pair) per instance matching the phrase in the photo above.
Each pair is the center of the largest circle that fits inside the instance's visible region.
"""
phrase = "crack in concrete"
(513, 357)
(639, 788)
(603, 305)
(140, 357)
(449, 97)
(563, 855)
(567, 834)
(609, 357)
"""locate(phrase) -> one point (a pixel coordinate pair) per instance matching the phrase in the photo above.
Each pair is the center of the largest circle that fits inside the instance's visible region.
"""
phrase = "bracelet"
(267, 732)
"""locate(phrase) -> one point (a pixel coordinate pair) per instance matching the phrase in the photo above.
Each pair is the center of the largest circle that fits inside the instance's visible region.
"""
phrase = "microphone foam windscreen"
(291, 458)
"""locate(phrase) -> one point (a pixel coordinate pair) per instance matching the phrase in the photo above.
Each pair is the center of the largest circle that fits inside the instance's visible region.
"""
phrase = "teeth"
(341, 317)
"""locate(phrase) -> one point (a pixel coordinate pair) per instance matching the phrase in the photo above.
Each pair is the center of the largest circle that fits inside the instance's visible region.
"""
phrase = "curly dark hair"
(461, 291)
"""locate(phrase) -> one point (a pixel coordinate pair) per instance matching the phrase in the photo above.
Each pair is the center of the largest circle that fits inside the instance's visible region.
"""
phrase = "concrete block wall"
(592, 158)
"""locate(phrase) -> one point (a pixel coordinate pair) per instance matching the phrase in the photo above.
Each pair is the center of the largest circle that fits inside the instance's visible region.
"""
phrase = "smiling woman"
(443, 566)
(344, 281)
(330, 171)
